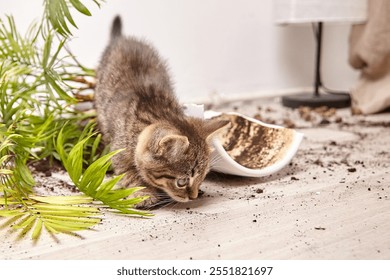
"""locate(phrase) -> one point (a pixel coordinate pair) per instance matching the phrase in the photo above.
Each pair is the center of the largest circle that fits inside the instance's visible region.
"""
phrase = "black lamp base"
(310, 100)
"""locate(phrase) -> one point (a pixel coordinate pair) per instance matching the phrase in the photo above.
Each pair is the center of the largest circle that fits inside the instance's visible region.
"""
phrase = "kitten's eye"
(181, 182)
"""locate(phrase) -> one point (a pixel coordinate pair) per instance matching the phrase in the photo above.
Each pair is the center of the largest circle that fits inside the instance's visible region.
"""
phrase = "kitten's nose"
(193, 194)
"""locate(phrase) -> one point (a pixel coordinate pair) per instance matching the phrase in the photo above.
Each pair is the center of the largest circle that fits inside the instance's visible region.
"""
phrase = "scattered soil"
(320, 228)
(288, 123)
(259, 117)
(319, 116)
(373, 124)
(46, 166)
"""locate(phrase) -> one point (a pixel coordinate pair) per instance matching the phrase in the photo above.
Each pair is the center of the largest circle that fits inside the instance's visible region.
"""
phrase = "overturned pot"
(252, 148)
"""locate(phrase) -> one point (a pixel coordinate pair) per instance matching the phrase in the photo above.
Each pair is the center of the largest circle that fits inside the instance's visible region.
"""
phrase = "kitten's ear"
(172, 145)
(213, 127)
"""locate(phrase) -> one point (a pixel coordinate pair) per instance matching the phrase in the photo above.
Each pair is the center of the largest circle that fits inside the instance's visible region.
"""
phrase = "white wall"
(231, 47)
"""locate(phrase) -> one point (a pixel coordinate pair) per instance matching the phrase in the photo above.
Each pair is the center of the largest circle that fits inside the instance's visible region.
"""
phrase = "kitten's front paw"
(147, 203)
(155, 199)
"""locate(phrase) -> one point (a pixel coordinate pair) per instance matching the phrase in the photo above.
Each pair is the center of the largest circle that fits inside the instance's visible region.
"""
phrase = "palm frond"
(91, 181)
(59, 15)
(25, 68)
(57, 214)
(13, 46)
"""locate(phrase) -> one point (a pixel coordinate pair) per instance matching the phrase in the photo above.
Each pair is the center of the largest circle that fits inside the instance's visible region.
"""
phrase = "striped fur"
(137, 110)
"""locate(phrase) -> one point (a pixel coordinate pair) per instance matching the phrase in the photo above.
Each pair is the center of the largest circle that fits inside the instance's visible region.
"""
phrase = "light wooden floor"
(317, 208)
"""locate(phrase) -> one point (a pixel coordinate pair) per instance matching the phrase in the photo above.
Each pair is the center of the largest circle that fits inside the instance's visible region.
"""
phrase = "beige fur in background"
(370, 52)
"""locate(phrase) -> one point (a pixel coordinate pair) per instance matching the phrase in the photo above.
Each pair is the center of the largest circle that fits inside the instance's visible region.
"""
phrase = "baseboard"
(220, 98)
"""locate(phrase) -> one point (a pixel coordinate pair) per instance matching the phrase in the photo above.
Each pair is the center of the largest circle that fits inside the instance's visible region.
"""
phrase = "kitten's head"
(175, 161)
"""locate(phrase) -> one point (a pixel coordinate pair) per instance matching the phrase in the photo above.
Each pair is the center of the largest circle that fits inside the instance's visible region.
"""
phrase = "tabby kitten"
(165, 151)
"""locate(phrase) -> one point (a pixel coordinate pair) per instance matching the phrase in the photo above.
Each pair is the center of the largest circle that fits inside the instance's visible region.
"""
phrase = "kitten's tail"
(116, 30)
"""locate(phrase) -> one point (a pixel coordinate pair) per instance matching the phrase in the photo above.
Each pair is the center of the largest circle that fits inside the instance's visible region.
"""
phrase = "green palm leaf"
(91, 181)
(55, 213)
(59, 15)
(63, 200)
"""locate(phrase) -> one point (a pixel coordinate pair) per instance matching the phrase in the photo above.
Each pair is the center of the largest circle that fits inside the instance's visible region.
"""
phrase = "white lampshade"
(303, 11)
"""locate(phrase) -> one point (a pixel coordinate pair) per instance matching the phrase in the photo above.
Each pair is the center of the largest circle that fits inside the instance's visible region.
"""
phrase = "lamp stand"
(339, 100)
